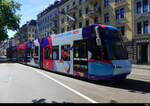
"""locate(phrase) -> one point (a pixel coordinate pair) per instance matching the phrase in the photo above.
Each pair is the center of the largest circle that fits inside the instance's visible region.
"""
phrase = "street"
(24, 84)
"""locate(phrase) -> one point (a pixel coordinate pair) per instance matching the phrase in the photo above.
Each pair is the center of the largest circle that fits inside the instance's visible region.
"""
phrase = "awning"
(21, 47)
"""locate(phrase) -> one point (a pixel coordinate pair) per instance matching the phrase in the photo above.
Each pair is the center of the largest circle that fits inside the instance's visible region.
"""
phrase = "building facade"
(47, 21)
(26, 33)
(141, 31)
(132, 17)
(73, 14)
(77, 14)
(31, 30)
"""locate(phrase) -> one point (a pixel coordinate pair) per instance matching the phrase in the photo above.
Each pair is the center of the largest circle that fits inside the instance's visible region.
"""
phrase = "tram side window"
(47, 53)
(36, 51)
(31, 52)
(80, 49)
(65, 52)
(56, 53)
(28, 52)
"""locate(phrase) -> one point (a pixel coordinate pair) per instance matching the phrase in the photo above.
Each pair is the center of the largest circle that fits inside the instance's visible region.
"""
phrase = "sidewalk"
(147, 67)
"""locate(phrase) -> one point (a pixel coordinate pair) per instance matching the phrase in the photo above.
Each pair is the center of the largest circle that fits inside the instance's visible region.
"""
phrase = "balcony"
(54, 18)
(72, 9)
(121, 21)
(94, 13)
(142, 15)
(93, 1)
(54, 27)
(121, 3)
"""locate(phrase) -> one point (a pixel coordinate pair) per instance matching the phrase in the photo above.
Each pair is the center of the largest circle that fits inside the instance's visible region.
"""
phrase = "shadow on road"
(7, 62)
(43, 101)
(132, 85)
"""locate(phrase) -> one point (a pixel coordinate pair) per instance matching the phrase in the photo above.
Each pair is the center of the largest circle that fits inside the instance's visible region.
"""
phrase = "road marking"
(76, 92)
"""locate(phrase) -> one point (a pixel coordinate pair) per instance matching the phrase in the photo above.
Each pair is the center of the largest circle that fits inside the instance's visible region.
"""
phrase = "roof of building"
(51, 7)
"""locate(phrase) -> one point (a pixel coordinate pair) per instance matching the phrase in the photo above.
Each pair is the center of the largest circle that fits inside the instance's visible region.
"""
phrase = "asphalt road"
(23, 84)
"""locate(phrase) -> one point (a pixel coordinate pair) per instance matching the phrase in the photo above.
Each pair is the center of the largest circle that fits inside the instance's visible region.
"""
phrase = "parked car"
(3, 59)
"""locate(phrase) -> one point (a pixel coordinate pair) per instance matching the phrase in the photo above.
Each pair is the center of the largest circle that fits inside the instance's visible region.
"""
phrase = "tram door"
(80, 59)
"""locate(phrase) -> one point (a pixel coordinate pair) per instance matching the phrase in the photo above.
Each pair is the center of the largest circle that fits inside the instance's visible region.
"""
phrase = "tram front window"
(116, 48)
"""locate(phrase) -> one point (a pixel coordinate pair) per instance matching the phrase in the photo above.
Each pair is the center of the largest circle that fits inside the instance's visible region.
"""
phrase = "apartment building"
(141, 31)
(132, 17)
(78, 13)
(47, 21)
(31, 30)
(26, 33)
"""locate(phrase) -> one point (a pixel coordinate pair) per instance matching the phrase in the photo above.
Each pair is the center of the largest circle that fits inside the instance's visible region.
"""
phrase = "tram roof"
(105, 27)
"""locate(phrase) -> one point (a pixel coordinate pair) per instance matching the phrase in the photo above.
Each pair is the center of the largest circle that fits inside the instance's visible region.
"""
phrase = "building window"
(62, 20)
(68, 28)
(87, 10)
(106, 3)
(96, 7)
(74, 3)
(74, 26)
(80, 25)
(142, 7)
(117, 1)
(117, 14)
(74, 15)
(106, 17)
(87, 22)
(96, 20)
(68, 7)
(138, 7)
(62, 30)
(145, 6)
(120, 13)
(80, 2)
(145, 27)
(80, 13)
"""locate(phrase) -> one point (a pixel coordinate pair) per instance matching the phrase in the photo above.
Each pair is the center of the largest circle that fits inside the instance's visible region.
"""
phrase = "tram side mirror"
(98, 39)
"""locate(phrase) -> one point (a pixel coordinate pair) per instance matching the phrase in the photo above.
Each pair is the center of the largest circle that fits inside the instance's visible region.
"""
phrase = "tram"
(95, 52)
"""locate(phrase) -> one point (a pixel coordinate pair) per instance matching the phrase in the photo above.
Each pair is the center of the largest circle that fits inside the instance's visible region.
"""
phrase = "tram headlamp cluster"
(117, 67)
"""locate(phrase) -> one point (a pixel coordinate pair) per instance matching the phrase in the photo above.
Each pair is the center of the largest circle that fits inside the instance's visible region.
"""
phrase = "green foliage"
(8, 17)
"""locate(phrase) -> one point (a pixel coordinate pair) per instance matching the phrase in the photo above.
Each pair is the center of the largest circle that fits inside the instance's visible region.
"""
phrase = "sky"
(30, 9)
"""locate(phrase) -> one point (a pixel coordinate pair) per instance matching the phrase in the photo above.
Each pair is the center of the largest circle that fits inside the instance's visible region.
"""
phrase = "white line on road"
(76, 92)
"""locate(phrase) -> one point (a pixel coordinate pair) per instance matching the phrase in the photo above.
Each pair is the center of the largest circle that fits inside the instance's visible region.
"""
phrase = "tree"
(9, 20)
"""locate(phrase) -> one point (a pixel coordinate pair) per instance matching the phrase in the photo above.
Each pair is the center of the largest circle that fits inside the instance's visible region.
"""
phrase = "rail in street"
(24, 84)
